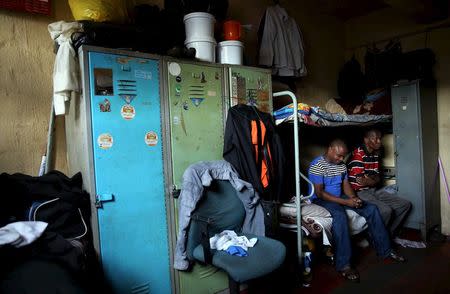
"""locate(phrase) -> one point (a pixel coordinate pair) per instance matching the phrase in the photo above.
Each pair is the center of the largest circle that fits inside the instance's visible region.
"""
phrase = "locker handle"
(175, 192)
(100, 198)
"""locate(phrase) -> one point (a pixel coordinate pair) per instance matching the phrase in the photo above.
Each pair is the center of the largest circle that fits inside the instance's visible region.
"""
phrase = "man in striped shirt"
(328, 173)
(364, 177)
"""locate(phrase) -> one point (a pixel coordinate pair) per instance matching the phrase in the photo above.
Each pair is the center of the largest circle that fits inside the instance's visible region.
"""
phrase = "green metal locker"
(195, 116)
(250, 85)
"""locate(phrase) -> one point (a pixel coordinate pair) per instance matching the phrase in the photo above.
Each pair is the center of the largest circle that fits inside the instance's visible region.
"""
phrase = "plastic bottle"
(307, 269)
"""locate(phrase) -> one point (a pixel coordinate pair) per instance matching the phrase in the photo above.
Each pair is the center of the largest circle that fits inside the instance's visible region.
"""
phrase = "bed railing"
(298, 174)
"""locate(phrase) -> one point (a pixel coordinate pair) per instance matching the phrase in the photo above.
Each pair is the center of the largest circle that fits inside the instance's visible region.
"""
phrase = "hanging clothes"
(281, 44)
(351, 83)
(66, 68)
(253, 147)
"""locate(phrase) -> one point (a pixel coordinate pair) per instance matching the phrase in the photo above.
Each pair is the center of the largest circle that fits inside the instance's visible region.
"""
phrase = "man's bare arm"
(322, 194)
(367, 180)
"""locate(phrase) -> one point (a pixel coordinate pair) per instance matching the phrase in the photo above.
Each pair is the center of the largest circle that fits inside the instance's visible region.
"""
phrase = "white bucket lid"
(198, 15)
(230, 43)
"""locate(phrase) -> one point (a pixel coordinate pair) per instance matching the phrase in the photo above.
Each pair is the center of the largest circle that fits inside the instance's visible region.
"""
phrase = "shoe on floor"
(395, 257)
(350, 274)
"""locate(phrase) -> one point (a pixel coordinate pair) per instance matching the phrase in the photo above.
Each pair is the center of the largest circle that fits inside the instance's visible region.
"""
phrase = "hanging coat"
(253, 147)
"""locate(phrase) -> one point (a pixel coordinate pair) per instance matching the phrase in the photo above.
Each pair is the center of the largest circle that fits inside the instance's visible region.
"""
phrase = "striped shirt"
(328, 174)
(362, 163)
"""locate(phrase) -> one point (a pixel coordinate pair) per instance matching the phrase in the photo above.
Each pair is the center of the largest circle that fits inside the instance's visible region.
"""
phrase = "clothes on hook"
(281, 43)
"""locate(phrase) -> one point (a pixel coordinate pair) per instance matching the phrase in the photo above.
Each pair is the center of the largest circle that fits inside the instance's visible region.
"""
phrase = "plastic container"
(99, 10)
(205, 49)
(33, 6)
(307, 269)
(199, 26)
(230, 52)
(231, 30)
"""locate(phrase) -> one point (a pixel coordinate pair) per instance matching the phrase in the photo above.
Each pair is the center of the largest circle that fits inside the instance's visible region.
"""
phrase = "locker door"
(196, 125)
(406, 126)
(251, 86)
(128, 164)
(196, 115)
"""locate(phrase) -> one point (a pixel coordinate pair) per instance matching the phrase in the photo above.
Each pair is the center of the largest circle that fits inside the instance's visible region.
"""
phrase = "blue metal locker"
(123, 113)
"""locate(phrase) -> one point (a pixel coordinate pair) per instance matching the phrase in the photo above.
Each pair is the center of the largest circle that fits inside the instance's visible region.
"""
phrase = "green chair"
(221, 209)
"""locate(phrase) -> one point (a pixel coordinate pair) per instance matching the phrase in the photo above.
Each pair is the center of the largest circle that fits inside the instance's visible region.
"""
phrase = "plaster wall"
(27, 58)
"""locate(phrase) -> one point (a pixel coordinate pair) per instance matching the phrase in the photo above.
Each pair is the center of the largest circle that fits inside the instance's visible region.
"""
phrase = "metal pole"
(297, 172)
(49, 151)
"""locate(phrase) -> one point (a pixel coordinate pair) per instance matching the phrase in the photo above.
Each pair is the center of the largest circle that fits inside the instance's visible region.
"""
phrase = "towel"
(66, 68)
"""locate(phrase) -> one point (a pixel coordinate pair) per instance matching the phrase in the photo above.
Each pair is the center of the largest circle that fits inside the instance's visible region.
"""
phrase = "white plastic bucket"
(230, 52)
(199, 25)
(205, 49)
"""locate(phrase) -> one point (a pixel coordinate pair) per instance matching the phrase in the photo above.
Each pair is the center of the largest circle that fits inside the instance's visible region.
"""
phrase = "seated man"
(364, 176)
(329, 175)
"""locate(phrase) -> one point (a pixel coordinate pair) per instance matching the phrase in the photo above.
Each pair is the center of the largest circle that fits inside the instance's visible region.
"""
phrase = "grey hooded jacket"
(200, 175)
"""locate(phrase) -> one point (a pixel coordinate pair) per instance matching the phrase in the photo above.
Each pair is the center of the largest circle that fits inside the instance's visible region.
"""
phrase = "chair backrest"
(221, 207)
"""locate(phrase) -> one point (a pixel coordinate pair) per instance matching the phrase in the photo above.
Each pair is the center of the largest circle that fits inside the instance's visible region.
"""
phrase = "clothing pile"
(46, 218)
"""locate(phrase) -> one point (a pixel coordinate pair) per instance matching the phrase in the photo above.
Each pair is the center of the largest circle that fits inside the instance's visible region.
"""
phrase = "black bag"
(417, 64)
(271, 217)
(62, 217)
(351, 82)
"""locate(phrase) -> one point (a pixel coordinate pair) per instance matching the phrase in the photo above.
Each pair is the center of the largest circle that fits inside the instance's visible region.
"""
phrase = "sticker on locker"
(151, 138)
(105, 141)
(128, 112)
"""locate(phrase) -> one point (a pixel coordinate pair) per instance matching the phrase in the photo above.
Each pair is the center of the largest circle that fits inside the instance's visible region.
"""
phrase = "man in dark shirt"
(364, 176)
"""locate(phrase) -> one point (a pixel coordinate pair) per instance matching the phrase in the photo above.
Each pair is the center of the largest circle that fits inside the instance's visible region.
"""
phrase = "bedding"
(321, 216)
(321, 118)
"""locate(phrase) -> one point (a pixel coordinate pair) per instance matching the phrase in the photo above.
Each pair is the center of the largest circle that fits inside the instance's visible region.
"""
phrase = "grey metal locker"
(416, 151)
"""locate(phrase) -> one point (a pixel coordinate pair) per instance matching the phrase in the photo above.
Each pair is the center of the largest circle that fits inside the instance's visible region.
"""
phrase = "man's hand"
(354, 202)
(367, 180)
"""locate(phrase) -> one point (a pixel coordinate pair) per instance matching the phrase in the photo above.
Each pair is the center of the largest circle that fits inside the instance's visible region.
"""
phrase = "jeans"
(341, 235)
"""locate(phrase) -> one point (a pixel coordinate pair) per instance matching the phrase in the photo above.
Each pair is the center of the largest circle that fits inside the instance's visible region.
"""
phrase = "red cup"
(231, 30)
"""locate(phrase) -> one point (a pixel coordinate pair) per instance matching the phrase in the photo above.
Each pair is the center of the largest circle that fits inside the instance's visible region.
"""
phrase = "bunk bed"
(316, 117)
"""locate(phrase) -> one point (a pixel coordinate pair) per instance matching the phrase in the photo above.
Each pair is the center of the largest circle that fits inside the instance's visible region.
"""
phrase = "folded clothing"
(289, 110)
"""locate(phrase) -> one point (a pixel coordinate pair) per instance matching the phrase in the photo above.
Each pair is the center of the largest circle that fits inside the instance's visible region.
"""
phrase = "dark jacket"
(241, 152)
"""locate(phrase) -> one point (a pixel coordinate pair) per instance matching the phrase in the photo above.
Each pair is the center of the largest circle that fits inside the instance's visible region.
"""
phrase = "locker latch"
(100, 198)
(175, 192)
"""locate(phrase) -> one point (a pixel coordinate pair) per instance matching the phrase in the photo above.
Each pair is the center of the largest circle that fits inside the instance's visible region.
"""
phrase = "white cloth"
(19, 234)
(229, 238)
(320, 215)
(281, 44)
(66, 68)
(409, 243)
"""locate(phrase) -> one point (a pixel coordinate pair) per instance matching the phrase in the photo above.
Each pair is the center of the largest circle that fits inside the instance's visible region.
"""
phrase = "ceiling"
(421, 11)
